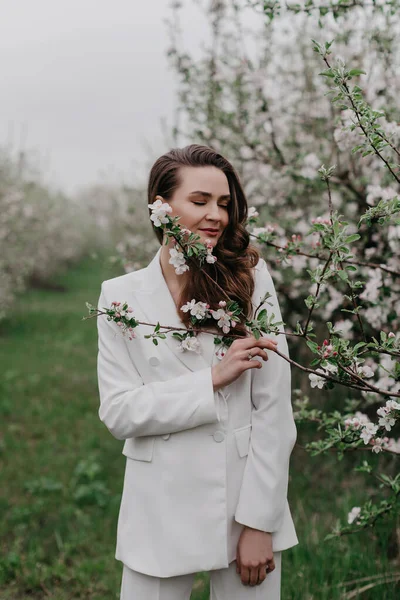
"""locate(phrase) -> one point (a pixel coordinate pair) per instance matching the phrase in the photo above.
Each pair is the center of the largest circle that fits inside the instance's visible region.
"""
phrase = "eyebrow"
(208, 195)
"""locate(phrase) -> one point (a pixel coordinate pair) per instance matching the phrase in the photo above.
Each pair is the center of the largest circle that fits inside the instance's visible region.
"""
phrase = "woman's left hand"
(254, 556)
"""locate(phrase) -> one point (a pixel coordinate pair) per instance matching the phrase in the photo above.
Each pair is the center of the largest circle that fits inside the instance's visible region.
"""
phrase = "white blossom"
(223, 319)
(392, 405)
(331, 368)
(353, 514)
(159, 212)
(366, 371)
(368, 432)
(210, 258)
(252, 212)
(345, 327)
(190, 343)
(379, 444)
(178, 261)
(316, 380)
(393, 445)
(387, 422)
(197, 309)
(353, 423)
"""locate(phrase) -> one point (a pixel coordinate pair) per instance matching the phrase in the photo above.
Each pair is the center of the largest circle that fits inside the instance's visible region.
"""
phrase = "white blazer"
(200, 464)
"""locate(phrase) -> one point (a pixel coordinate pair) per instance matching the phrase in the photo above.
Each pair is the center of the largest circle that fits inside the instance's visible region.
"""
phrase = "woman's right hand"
(236, 359)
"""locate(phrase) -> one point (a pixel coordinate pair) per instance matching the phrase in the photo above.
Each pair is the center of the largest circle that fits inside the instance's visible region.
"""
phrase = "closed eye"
(203, 203)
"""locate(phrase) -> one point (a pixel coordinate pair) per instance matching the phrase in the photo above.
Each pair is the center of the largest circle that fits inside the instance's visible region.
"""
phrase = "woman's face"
(202, 202)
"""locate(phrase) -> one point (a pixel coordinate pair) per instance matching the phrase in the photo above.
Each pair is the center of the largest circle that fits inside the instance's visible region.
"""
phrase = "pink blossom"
(320, 220)
(353, 423)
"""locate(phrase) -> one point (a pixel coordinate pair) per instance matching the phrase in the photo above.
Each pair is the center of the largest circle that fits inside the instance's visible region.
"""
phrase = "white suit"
(200, 464)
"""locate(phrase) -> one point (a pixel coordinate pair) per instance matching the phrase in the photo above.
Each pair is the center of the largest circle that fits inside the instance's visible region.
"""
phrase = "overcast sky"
(85, 83)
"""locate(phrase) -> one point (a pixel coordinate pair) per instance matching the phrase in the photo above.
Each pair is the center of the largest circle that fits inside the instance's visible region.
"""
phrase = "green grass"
(62, 471)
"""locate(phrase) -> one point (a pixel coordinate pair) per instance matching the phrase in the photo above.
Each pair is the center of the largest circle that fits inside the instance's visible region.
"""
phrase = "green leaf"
(355, 72)
(327, 73)
(313, 346)
(352, 238)
(343, 275)
(359, 345)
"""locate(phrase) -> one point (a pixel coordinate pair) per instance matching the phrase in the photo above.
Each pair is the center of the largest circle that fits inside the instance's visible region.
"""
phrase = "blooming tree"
(281, 113)
(272, 115)
(40, 229)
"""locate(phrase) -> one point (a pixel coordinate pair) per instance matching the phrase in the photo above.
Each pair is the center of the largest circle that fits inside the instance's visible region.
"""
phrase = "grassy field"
(61, 471)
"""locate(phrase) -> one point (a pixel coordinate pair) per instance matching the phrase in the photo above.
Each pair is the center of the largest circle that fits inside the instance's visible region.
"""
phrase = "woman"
(207, 438)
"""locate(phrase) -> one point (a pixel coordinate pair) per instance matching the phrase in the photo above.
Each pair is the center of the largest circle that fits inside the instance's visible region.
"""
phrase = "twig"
(322, 258)
(355, 593)
(341, 264)
(365, 132)
(317, 292)
(351, 449)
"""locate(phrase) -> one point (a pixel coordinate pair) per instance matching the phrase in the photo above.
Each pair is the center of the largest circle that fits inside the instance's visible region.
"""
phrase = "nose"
(214, 214)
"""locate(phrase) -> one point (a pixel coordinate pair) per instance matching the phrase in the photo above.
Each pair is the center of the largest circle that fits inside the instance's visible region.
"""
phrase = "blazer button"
(154, 361)
(219, 436)
(166, 436)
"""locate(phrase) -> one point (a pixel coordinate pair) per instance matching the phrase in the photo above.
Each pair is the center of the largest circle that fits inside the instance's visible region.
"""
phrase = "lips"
(210, 230)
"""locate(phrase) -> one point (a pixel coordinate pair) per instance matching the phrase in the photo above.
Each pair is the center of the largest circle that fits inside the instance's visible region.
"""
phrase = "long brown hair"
(235, 255)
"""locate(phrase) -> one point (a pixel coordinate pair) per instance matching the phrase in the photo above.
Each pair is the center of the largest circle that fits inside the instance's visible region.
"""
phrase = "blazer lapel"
(157, 304)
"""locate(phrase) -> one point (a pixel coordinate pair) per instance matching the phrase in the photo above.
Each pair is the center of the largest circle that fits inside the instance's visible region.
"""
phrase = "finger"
(264, 342)
(262, 574)
(271, 566)
(254, 575)
(245, 575)
(270, 344)
(269, 340)
(255, 352)
(250, 342)
(237, 565)
(252, 364)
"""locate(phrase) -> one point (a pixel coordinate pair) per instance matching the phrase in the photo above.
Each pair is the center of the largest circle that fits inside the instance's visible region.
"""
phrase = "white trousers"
(225, 584)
